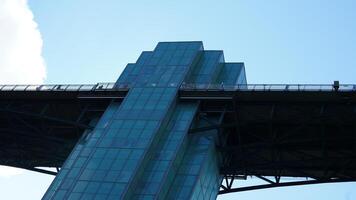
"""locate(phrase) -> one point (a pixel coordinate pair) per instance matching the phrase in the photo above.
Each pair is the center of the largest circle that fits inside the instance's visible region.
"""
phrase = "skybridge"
(271, 130)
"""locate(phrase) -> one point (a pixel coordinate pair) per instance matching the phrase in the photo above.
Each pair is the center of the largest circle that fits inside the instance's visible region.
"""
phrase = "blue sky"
(304, 41)
(279, 41)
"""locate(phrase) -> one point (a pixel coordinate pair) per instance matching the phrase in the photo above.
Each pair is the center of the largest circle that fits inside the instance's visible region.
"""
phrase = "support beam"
(63, 121)
(285, 184)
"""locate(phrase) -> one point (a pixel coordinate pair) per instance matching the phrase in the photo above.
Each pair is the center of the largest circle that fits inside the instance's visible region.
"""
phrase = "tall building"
(140, 147)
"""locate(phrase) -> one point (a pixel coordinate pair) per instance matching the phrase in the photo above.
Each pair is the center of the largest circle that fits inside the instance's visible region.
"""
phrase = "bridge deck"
(289, 130)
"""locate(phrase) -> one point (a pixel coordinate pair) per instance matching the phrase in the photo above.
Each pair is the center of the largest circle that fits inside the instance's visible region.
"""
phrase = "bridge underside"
(264, 133)
(40, 129)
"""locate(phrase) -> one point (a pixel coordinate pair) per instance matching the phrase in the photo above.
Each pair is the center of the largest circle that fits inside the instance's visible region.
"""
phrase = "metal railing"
(60, 87)
(270, 87)
(191, 87)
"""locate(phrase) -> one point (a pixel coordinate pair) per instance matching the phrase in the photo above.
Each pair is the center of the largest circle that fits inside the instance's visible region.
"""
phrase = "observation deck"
(271, 130)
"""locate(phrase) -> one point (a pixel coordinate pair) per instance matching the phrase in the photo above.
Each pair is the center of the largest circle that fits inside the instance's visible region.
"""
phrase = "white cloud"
(21, 61)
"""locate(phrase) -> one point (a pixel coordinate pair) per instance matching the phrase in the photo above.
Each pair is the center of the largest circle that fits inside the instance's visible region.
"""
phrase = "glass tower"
(140, 148)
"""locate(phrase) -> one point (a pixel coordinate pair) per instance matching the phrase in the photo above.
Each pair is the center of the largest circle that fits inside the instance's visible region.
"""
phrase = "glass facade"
(140, 148)
(232, 74)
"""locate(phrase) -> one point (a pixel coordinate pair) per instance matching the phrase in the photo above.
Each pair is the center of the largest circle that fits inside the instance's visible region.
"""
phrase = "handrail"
(61, 87)
(110, 86)
(269, 87)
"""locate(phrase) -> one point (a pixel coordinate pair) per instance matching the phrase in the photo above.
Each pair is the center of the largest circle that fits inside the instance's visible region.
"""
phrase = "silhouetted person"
(336, 85)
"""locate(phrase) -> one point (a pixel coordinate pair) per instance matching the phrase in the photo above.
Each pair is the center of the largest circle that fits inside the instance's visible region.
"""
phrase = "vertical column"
(140, 148)
(198, 176)
(111, 160)
(207, 69)
(232, 74)
(167, 155)
(161, 75)
(67, 181)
